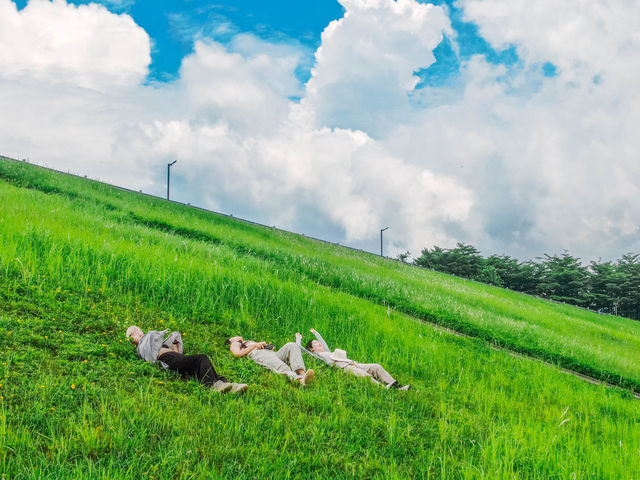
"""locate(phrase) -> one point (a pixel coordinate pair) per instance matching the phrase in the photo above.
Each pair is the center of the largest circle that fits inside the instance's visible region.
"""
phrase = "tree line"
(608, 287)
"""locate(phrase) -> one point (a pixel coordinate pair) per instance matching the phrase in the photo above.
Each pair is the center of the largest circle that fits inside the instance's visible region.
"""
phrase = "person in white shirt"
(318, 348)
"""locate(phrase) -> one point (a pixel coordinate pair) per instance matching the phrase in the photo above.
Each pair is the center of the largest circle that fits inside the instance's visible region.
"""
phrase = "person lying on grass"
(286, 361)
(153, 347)
(319, 349)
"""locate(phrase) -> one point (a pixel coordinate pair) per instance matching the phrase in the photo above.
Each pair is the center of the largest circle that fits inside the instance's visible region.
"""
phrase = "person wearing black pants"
(168, 352)
(192, 366)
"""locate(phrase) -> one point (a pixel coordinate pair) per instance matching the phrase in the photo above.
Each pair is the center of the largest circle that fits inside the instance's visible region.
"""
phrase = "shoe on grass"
(221, 386)
(406, 387)
(239, 388)
(307, 378)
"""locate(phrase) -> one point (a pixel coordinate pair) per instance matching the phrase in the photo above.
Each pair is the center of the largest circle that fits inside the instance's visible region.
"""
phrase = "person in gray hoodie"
(167, 351)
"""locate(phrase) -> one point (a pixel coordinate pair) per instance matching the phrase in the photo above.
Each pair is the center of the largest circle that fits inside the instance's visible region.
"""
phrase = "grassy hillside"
(80, 261)
(602, 346)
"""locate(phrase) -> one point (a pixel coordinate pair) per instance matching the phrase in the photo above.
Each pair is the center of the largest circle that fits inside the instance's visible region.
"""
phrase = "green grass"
(602, 346)
(80, 261)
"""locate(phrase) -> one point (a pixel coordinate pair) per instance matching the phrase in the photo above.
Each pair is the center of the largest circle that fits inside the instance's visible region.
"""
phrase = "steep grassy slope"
(80, 261)
(602, 346)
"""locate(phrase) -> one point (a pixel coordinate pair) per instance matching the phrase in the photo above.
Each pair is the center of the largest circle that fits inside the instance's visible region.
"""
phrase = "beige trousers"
(285, 361)
(373, 370)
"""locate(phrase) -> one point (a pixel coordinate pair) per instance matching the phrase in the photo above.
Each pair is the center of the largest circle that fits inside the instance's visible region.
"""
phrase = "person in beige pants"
(318, 348)
(286, 361)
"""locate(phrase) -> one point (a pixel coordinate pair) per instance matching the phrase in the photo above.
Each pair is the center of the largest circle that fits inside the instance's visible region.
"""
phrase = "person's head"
(314, 346)
(233, 340)
(135, 334)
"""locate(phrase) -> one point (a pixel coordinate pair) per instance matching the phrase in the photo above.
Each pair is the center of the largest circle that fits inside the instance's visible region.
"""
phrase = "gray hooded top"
(152, 341)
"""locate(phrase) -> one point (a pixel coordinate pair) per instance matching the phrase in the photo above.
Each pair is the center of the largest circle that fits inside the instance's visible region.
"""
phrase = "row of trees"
(609, 287)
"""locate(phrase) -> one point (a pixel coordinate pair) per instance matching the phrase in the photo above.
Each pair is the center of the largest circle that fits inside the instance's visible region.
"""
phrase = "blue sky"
(172, 25)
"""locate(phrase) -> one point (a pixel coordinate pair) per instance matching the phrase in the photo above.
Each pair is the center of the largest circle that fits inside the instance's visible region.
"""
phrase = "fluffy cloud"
(248, 90)
(271, 160)
(244, 145)
(54, 42)
(569, 34)
(512, 161)
(365, 67)
(556, 166)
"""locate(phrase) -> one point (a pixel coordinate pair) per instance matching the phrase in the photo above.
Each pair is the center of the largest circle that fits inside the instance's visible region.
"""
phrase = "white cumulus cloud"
(243, 144)
(365, 67)
(552, 161)
(55, 42)
(509, 160)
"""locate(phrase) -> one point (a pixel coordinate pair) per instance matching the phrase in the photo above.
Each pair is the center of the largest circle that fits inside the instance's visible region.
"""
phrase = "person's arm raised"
(325, 347)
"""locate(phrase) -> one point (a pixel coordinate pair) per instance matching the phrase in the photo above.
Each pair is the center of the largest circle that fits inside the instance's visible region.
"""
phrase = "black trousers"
(192, 366)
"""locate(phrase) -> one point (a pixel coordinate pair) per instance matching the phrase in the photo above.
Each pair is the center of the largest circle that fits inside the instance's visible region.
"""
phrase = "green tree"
(605, 286)
(564, 279)
(611, 287)
(463, 261)
(508, 269)
(403, 256)
(436, 259)
(489, 274)
(628, 268)
(466, 260)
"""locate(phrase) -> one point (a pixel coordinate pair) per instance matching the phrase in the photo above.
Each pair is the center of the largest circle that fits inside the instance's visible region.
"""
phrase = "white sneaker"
(239, 388)
(406, 387)
(221, 386)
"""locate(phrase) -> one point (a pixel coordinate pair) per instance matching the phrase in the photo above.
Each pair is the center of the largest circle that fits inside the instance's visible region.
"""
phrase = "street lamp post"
(169, 176)
(382, 230)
